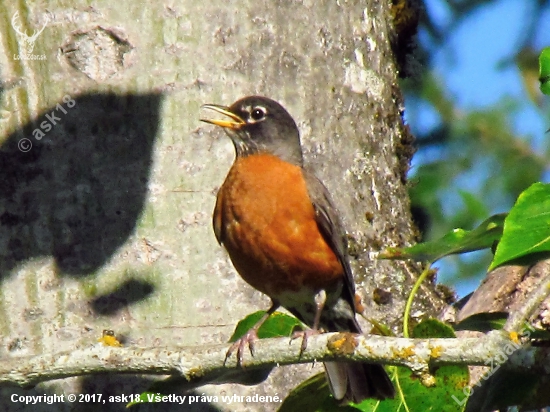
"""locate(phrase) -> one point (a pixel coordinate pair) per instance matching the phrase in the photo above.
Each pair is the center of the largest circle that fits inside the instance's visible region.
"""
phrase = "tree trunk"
(105, 208)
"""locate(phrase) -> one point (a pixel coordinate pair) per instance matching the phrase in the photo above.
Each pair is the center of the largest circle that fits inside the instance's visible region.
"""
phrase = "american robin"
(284, 236)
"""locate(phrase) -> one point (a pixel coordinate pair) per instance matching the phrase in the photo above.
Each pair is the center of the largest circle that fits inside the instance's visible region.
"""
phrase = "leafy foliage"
(524, 231)
(474, 160)
(456, 241)
(527, 227)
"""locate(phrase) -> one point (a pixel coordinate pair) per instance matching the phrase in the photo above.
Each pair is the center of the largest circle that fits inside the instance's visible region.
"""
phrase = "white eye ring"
(257, 113)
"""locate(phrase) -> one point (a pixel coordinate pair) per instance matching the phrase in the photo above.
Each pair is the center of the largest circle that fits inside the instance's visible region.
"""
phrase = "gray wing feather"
(332, 229)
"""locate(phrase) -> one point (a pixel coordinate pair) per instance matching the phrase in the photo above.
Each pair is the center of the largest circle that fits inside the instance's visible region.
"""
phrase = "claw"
(304, 334)
(247, 339)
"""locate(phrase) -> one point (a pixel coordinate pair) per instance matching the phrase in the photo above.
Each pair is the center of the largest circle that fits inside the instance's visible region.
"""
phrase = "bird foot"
(247, 339)
(305, 335)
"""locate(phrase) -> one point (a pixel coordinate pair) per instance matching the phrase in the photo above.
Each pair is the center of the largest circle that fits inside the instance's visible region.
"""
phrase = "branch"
(200, 365)
(540, 292)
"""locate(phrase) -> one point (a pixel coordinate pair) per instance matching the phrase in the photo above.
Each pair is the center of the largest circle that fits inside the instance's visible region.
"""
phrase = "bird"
(277, 222)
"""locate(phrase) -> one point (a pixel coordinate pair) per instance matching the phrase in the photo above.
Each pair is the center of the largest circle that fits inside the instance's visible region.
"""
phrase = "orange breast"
(266, 221)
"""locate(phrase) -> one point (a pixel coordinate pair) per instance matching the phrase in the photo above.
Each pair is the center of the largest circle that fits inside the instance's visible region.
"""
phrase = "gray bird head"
(257, 124)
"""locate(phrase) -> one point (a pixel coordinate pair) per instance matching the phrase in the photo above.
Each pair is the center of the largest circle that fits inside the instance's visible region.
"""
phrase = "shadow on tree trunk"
(74, 182)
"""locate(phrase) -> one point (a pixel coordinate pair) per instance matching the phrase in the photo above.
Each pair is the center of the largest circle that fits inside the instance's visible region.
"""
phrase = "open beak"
(235, 123)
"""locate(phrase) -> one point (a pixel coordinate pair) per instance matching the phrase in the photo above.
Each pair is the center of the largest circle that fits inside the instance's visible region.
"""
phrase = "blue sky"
(469, 61)
(470, 65)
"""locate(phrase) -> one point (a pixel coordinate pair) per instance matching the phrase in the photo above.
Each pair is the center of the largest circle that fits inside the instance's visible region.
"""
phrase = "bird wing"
(332, 230)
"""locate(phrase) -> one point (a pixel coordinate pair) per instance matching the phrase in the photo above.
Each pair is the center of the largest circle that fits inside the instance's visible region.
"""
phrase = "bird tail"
(354, 382)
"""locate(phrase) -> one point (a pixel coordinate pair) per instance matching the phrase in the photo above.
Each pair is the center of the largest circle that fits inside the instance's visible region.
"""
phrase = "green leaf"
(544, 70)
(313, 395)
(412, 396)
(457, 241)
(527, 226)
(483, 322)
(433, 328)
(445, 396)
(276, 326)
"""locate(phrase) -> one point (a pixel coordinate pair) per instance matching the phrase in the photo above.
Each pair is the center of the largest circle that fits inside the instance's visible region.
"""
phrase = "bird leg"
(320, 300)
(249, 337)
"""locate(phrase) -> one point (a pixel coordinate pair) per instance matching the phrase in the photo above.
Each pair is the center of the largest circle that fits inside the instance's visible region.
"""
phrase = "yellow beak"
(235, 122)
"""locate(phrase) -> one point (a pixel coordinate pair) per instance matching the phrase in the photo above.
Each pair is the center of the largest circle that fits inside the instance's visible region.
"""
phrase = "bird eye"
(258, 113)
